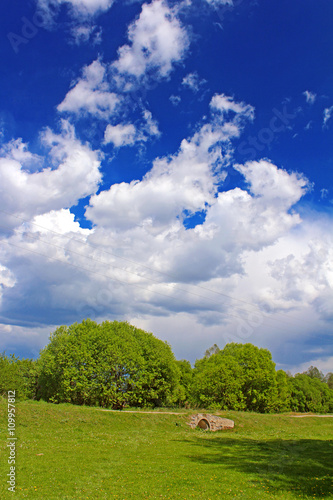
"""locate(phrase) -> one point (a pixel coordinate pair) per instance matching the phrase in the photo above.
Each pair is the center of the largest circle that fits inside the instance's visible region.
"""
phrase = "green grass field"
(69, 452)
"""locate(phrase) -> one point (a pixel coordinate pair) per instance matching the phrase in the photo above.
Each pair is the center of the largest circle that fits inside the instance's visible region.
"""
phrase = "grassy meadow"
(70, 452)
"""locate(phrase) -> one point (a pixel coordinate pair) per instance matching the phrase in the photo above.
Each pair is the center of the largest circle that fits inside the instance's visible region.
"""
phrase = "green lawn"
(69, 452)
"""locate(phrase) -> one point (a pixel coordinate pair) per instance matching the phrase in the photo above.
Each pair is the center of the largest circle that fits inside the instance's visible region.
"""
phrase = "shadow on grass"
(304, 465)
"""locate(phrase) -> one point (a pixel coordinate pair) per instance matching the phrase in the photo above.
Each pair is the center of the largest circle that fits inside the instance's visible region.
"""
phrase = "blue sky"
(169, 164)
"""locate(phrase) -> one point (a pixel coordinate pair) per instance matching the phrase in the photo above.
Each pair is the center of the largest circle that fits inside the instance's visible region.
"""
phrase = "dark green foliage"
(115, 364)
(239, 377)
(111, 364)
(310, 395)
(212, 350)
(185, 381)
(313, 372)
(19, 375)
(282, 395)
(243, 377)
(329, 380)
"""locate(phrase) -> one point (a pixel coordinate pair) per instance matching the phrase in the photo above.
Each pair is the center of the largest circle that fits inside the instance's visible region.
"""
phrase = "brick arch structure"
(210, 422)
(204, 424)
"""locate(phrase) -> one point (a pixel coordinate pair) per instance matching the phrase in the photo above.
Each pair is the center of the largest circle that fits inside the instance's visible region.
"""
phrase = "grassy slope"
(68, 452)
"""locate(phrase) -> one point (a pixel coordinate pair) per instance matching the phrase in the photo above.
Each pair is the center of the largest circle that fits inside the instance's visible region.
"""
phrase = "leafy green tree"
(212, 350)
(217, 383)
(185, 381)
(238, 377)
(310, 395)
(313, 372)
(283, 392)
(108, 364)
(329, 380)
(19, 375)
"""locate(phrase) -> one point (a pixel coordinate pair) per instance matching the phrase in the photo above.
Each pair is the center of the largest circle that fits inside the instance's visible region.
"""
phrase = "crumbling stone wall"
(210, 422)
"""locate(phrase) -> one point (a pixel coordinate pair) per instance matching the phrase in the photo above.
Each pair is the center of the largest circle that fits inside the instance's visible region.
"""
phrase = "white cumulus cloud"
(120, 135)
(157, 41)
(184, 181)
(268, 181)
(248, 257)
(127, 134)
(91, 94)
(73, 174)
(224, 104)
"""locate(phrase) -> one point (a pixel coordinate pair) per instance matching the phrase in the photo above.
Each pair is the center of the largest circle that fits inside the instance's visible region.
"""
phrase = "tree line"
(114, 364)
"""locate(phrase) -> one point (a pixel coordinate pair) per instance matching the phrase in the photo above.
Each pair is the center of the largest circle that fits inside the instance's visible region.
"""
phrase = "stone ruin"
(210, 422)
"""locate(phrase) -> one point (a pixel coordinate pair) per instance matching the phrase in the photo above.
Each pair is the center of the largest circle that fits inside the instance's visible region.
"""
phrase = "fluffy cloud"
(217, 3)
(7, 280)
(91, 94)
(86, 33)
(310, 96)
(175, 99)
(157, 41)
(307, 276)
(72, 173)
(90, 6)
(150, 126)
(246, 259)
(154, 211)
(210, 253)
(192, 81)
(57, 221)
(120, 135)
(55, 266)
(324, 364)
(18, 151)
(182, 182)
(79, 7)
(224, 104)
(171, 187)
(327, 115)
(20, 340)
(127, 134)
(268, 182)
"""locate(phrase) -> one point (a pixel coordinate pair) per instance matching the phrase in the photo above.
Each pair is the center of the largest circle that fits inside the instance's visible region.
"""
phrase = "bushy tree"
(212, 350)
(19, 375)
(238, 377)
(314, 372)
(281, 401)
(217, 383)
(108, 364)
(329, 380)
(185, 381)
(310, 394)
